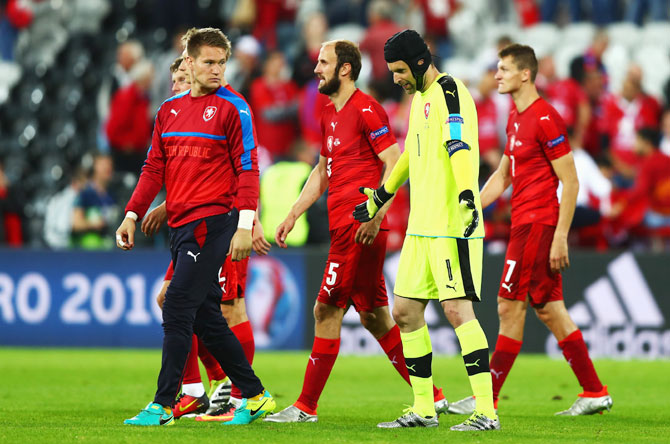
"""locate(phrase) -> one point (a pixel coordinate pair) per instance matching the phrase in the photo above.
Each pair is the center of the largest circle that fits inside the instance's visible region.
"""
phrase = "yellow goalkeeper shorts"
(440, 268)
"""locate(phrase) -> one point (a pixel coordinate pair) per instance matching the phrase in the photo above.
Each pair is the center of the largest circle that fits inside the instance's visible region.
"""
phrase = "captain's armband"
(454, 145)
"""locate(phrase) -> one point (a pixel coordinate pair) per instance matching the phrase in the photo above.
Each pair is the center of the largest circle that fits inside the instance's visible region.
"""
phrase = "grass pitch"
(83, 395)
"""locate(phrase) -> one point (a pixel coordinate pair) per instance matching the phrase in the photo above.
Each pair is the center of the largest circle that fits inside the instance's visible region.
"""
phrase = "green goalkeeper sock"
(475, 351)
(418, 353)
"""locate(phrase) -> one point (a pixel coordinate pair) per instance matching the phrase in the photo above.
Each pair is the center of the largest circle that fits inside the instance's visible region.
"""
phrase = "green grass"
(83, 395)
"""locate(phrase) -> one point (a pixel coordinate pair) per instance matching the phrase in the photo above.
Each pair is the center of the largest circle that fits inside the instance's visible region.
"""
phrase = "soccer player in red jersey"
(203, 150)
(357, 144)
(232, 279)
(537, 156)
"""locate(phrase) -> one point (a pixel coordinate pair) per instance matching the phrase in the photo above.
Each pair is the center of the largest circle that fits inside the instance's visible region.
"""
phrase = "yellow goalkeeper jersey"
(444, 112)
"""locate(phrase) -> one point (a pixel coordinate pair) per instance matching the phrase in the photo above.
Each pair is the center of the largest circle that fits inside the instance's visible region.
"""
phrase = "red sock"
(214, 371)
(191, 370)
(321, 361)
(245, 334)
(392, 345)
(577, 355)
(502, 360)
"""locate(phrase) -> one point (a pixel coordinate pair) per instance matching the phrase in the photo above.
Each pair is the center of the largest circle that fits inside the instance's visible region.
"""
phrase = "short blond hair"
(196, 38)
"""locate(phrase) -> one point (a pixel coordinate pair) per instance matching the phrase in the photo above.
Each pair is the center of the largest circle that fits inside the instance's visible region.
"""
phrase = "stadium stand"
(49, 122)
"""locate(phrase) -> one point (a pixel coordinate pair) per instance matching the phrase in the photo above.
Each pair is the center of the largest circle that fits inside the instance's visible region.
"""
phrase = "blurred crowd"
(619, 131)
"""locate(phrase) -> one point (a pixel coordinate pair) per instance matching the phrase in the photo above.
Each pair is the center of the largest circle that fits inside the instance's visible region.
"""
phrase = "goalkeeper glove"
(469, 212)
(365, 211)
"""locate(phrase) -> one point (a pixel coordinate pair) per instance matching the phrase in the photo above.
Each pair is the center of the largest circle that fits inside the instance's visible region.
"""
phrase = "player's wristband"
(466, 195)
(246, 220)
(381, 196)
(131, 215)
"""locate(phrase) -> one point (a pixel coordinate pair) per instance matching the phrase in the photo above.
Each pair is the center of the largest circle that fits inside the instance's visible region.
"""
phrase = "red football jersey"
(204, 150)
(351, 140)
(535, 137)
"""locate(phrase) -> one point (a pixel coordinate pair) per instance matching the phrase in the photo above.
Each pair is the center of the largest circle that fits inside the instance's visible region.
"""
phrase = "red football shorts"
(354, 272)
(232, 278)
(526, 271)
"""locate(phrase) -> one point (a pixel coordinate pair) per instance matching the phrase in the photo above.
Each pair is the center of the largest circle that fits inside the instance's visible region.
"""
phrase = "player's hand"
(365, 211)
(153, 221)
(367, 232)
(260, 246)
(558, 255)
(125, 234)
(283, 230)
(469, 212)
(240, 245)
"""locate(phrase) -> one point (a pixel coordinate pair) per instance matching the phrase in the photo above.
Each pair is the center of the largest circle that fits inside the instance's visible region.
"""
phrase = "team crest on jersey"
(332, 142)
(426, 109)
(209, 113)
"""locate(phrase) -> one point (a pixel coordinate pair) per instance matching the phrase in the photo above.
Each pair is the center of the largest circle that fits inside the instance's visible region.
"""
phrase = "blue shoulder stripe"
(247, 125)
(192, 134)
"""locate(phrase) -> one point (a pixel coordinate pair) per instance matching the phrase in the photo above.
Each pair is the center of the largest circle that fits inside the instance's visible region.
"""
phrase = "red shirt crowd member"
(275, 104)
(536, 157)
(623, 115)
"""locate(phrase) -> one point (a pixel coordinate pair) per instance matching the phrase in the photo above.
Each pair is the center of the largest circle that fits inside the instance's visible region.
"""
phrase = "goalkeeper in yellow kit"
(442, 254)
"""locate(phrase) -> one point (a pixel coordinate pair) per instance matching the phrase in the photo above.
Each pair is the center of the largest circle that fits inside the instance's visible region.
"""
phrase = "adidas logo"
(619, 316)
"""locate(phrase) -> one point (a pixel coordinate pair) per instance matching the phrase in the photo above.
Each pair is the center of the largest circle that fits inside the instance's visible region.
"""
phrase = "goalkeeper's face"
(508, 76)
(403, 76)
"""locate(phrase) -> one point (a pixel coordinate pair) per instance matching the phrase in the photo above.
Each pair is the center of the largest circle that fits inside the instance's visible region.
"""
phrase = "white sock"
(196, 389)
(235, 401)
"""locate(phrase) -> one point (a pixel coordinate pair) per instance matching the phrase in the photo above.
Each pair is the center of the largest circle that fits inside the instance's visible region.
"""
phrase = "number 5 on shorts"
(332, 274)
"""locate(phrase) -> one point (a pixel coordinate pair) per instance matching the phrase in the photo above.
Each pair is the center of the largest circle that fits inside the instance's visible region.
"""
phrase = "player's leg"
(408, 314)
(160, 298)
(379, 323)
(414, 287)
(546, 294)
(193, 274)
(456, 265)
(512, 316)
(326, 346)
(225, 347)
(595, 397)
(371, 302)
(331, 304)
(517, 278)
(193, 399)
(212, 328)
(234, 310)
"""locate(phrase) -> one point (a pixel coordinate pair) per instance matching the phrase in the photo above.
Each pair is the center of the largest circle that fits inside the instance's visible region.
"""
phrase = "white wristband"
(246, 220)
(132, 215)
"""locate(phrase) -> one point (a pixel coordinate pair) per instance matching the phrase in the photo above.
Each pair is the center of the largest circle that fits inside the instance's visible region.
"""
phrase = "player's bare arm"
(240, 245)
(564, 167)
(497, 183)
(316, 184)
(153, 221)
(368, 231)
(260, 246)
(125, 234)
